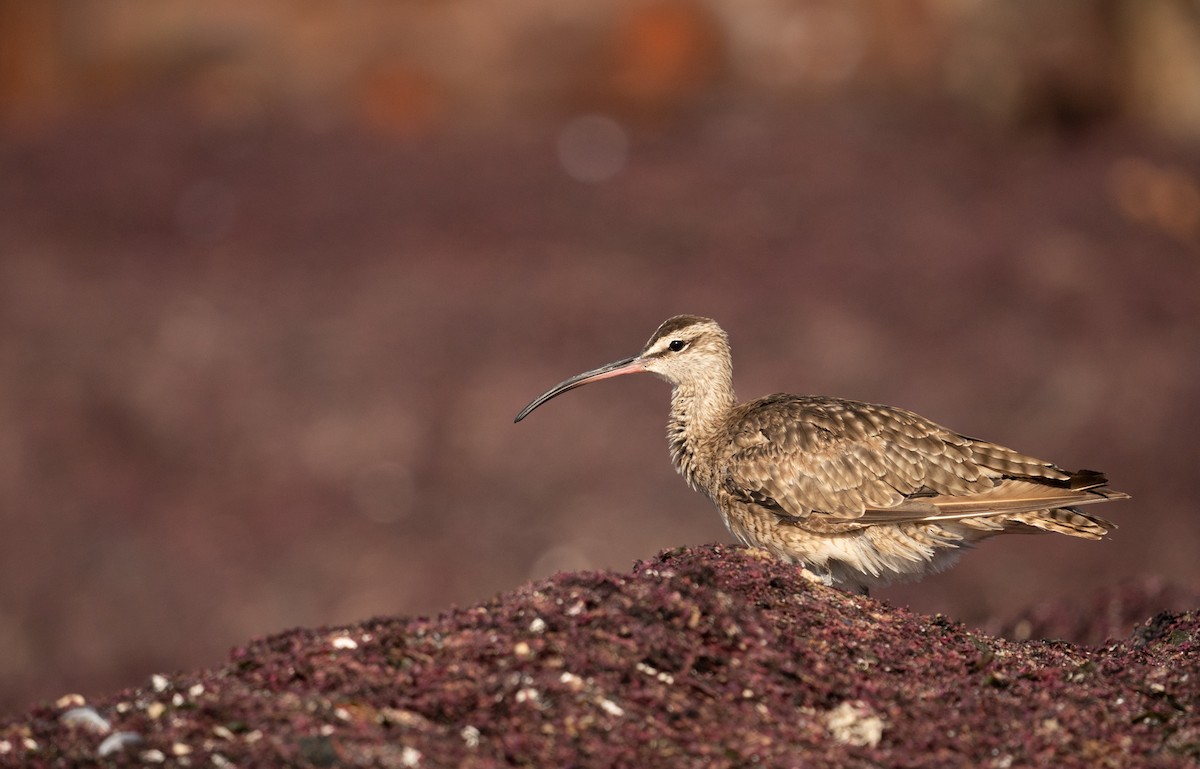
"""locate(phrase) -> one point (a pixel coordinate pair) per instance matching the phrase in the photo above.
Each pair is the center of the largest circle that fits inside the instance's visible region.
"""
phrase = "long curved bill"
(628, 366)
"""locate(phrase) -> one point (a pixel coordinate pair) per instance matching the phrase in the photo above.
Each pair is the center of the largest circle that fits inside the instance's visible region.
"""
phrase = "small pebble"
(410, 756)
(159, 682)
(538, 625)
(154, 756)
(401, 717)
(470, 735)
(854, 723)
(117, 741)
(87, 718)
(70, 701)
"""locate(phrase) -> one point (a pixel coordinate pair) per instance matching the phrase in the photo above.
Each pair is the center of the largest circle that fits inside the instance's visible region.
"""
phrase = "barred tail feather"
(1065, 520)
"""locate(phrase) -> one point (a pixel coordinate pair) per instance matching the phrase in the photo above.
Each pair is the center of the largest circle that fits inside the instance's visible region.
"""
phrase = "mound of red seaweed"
(704, 656)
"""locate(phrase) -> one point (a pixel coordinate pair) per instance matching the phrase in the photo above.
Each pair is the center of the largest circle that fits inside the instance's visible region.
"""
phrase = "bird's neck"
(698, 415)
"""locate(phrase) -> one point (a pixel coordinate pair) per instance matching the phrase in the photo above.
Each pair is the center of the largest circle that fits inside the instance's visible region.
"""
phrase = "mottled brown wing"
(844, 459)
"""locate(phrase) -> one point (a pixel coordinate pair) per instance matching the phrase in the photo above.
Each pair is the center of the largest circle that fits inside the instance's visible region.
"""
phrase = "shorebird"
(856, 493)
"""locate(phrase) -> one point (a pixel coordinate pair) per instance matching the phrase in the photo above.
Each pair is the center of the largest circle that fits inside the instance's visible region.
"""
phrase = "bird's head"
(686, 350)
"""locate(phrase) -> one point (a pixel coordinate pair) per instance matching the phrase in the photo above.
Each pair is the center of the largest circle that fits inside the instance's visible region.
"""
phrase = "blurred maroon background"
(274, 280)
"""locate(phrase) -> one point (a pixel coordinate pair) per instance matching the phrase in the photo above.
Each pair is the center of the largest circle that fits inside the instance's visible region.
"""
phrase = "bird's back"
(825, 461)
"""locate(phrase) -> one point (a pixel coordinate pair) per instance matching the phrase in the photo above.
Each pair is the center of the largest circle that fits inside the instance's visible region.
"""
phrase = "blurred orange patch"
(1167, 199)
(399, 100)
(664, 54)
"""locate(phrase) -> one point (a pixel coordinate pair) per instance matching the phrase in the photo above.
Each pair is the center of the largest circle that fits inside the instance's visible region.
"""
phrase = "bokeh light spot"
(593, 148)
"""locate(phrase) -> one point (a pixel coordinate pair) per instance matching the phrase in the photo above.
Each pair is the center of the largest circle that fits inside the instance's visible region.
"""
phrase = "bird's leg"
(827, 580)
(816, 577)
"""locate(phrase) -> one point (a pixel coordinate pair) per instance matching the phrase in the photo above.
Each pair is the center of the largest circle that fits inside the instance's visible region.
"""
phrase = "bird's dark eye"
(677, 345)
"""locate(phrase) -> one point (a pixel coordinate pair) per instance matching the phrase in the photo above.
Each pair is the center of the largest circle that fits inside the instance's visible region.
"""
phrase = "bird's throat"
(697, 418)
